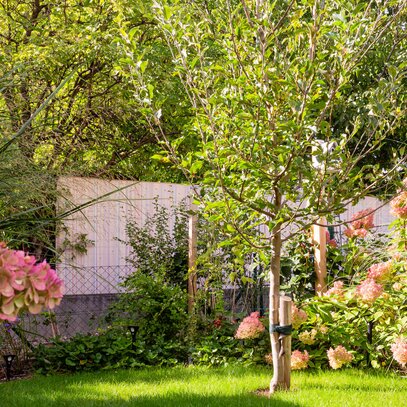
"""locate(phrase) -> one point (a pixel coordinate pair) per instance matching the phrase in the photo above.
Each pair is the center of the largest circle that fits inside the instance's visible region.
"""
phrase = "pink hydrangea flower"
(25, 285)
(350, 232)
(399, 205)
(397, 256)
(337, 289)
(251, 327)
(298, 316)
(380, 271)
(362, 221)
(329, 241)
(368, 290)
(338, 357)
(299, 360)
(399, 349)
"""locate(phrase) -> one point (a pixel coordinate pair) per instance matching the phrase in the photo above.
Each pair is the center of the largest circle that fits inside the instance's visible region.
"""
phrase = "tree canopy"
(288, 121)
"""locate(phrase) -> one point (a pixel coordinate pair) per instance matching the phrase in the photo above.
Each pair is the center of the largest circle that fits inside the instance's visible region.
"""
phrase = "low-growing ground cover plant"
(109, 349)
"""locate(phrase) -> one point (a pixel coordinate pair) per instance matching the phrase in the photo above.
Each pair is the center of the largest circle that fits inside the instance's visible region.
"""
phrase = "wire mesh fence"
(89, 291)
(93, 280)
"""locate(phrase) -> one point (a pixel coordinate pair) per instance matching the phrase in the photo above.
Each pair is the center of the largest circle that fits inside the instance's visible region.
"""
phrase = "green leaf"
(196, 166)
(143, 66)
(69, 362)
(167, 12)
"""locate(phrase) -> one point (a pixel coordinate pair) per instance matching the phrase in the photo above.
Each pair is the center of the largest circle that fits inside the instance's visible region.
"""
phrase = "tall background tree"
(91, 127)
(288, 121)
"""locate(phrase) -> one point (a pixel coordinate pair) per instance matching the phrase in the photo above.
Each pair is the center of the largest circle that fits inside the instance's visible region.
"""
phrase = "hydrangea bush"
(299, 360)
(251, 327)
(338, 357)
(364, 313)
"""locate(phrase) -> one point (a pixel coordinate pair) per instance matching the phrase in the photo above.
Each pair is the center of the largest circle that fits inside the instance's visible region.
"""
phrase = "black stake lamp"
(9, 361)
(133, 330)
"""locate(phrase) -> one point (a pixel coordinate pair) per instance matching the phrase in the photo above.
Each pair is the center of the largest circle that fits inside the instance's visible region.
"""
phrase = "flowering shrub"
(364, 310)
(349, 232)
(251, 327)
(299, 360)
(380, 271)
(336, 290)
(362, 221)
(25, 285)
(399, 349)
(331, 242)
(298, 316)
(399, 205)
(308, 337)
(338, 357)
(368, 290)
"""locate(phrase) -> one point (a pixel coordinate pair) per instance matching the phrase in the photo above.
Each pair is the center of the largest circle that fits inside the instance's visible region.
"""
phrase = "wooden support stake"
(285, 350)
(192, 255)
(319, 241)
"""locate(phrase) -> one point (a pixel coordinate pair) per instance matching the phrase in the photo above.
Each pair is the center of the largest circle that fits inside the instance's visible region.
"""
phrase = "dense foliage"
(109, 349)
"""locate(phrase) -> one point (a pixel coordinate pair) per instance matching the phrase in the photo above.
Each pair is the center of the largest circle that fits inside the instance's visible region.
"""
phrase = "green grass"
(195, 387)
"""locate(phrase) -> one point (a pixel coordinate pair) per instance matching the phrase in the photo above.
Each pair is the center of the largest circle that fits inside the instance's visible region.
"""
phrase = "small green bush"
(110, 349)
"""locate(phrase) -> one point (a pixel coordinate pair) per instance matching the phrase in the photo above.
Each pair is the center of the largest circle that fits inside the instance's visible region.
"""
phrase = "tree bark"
(277, 382)
(319, 241)
(285, 340)
(274, 312)
(192, 255)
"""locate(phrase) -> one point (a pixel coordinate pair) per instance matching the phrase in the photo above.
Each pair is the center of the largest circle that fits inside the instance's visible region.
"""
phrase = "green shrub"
(158, 309)
(218, 346)
(109, 349)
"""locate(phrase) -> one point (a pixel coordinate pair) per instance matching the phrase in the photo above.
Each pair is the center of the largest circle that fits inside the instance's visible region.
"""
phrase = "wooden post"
(192, 254)
(319, 241)
(285, 340)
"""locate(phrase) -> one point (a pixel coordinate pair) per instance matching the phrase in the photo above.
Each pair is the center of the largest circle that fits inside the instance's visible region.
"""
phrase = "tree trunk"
(279, 315)
(278, 373)
(192, 255)
(285, 340)
(319, 241)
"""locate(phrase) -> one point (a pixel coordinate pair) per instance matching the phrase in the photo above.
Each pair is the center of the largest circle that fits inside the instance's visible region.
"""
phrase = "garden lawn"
(195, 387)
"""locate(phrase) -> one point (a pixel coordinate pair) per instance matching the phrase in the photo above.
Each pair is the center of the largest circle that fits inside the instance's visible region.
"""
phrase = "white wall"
(102, 267)
(103, 223)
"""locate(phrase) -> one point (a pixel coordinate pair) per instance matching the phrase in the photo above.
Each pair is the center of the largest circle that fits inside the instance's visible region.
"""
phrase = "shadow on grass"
(152, 375)
(173, 400)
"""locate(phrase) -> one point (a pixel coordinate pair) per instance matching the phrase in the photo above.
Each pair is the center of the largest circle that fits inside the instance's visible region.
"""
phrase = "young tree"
(282, 130)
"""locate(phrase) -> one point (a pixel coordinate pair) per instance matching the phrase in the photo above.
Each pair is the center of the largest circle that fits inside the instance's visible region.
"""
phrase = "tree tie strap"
(281, 329)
